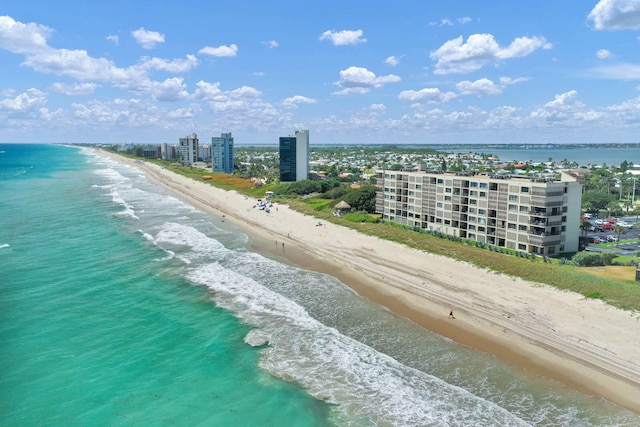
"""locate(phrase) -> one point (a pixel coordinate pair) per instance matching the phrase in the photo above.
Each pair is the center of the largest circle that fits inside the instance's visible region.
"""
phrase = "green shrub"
(360, 217)
(593, 295)
(587, 259)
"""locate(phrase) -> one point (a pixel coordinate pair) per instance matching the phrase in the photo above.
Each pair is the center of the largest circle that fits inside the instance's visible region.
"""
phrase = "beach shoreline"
(585, 344)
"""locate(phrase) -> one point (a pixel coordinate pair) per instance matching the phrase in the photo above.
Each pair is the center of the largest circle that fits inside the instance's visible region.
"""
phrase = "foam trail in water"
(364, 383)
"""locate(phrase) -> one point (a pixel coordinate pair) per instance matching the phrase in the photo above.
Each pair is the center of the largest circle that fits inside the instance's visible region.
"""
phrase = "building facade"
(294, 156)
(188, 150)
(531, 215)
(167, 151)
(222, 153)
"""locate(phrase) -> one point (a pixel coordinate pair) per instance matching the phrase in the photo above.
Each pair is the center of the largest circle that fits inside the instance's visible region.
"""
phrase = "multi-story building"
(531, 215)
(294, 156)
(188, 150)
(222, 153)
(204, 152)
(167, 151)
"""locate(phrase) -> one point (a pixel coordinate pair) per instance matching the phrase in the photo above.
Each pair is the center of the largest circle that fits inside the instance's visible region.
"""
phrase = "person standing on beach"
(451, 316)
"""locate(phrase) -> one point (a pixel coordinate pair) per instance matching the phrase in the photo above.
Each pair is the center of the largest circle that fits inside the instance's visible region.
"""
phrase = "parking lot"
(599, 235)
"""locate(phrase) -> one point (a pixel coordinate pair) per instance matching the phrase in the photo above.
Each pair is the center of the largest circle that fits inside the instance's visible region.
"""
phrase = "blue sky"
(413, 71)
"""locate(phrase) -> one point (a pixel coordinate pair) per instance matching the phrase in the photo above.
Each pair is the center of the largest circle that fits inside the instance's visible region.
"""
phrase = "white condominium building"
(188, 150)
(532, 215)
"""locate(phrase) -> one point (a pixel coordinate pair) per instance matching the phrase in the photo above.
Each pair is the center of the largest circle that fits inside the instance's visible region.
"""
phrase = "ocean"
(122, 305)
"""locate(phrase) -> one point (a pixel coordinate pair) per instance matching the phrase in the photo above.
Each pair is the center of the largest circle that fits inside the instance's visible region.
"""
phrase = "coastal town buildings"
(188, 149)
(167, 152)
(222, 153)
(532, 215)
(294, 156)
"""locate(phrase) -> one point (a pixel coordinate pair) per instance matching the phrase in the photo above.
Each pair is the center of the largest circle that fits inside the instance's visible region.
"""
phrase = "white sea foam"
(363, 383)
(4, 245)
(188, 243)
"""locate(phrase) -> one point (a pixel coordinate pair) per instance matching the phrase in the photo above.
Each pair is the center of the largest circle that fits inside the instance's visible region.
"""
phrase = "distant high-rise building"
(294, 157)
(166, 151)
(188, 150)
(222, 153)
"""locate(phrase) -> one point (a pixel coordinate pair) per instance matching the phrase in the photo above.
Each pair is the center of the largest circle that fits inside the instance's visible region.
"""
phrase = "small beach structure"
(341, 208)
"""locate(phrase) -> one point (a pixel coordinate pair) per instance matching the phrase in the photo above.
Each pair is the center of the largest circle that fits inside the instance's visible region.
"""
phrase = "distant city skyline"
(414, 72)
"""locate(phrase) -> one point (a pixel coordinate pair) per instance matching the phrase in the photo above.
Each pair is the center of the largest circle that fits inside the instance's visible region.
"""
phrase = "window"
(447, 190)
(440, 181)
(524, 209)
(513, 207)
(483, 194)
(482, 211)
(513, 197)
(438, 204)
(474, 185)
(524, 190)
(473, 193)
(483, 185)
(522, 247)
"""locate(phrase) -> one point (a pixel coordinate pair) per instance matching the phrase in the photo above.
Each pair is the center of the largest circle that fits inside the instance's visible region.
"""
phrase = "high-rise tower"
(294, 156)
(222, 153)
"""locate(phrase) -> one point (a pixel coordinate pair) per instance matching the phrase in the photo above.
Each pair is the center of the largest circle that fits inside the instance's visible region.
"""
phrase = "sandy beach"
(585, 344)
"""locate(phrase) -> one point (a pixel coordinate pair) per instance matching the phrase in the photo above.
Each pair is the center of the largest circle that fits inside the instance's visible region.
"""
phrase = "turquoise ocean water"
(122, 305)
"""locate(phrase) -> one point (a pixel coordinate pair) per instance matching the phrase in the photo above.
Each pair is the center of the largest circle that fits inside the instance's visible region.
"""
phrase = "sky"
(350, 71)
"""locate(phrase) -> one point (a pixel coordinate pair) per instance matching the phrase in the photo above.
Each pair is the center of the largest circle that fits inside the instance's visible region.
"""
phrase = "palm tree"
(584, 226)
(620, 230)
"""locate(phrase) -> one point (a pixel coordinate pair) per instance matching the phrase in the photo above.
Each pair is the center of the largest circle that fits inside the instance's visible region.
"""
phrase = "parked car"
(608, 227)
(594, 239)
(600, 221)
(612, 238)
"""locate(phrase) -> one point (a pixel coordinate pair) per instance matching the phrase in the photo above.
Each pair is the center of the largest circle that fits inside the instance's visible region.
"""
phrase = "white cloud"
(74, 88)
(207, 91)
(220, 51)
(173, 66)
(147, 39)
(358, 80)
(392, 60)
(292, 102)
(172, 89)
(17, 37)
(456, 56)
(114, 39)
(621, 71)
(603, 54)
(272, 43)
(449, 23)
(566, 110)
(485, 86)
(479, 87)
(429, 95)
(79, 65)
(616, 15)
(344, 37)
(27, 101)
(377, 107)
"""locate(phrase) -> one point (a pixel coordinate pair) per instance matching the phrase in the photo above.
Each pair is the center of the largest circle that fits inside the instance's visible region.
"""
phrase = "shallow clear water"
(121, 304)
